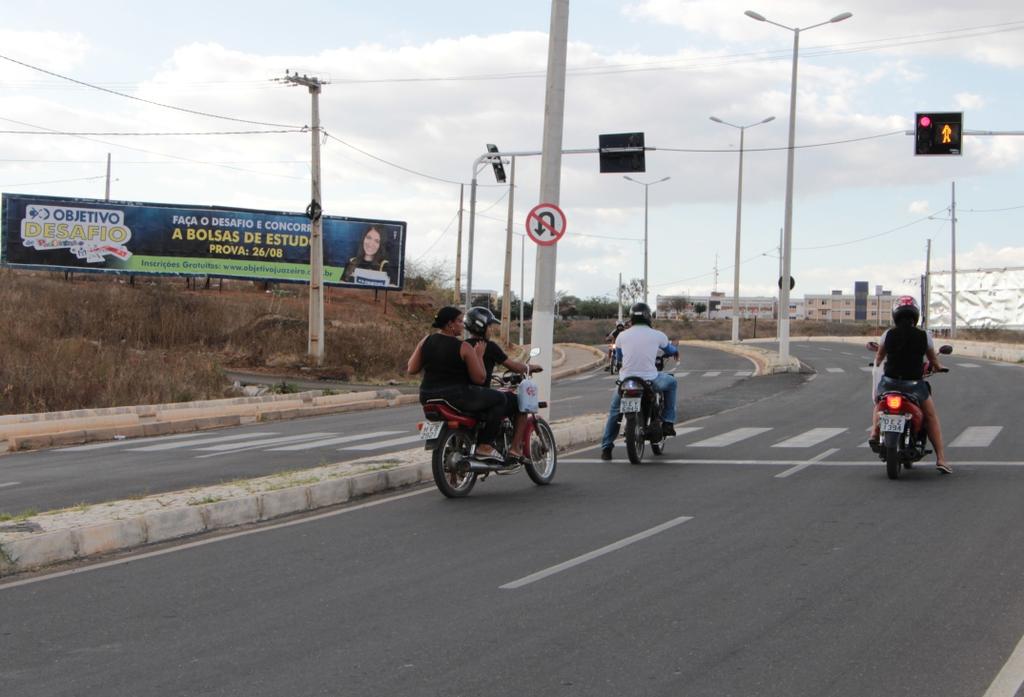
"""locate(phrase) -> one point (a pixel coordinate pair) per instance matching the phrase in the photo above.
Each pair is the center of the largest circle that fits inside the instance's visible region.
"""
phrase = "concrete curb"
(69, 535)
(765, 362)
(1006, 353)
(597, 362)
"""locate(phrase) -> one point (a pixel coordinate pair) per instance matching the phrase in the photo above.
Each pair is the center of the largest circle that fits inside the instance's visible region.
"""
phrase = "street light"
(788, 230)
(739, 211)
(646, 187)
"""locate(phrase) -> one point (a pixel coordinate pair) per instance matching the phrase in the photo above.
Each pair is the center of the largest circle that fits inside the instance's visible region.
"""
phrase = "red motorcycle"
(452, 435)
(903, 432)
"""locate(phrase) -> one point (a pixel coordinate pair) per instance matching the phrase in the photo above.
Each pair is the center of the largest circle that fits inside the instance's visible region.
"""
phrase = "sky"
(414, 92)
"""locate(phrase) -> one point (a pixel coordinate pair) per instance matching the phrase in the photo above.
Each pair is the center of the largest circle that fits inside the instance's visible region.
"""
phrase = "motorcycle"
(614, 359)
(452, 436)
(903, 432)
(642, 406)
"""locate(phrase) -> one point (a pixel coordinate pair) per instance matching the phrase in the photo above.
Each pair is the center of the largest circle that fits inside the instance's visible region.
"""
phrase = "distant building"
(841, 307)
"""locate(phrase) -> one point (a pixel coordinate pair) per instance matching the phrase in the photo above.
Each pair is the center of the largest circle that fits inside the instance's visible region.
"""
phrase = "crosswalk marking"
(809, 438)
(866, 368)
(967, 365)
(384, 443)
(976, 437)
(260, 442)
(197, 441)
(729, 437)
(683, 374)
(835, 370)
(332, 441)
(123, 442)
(743, 373)
(712, 373)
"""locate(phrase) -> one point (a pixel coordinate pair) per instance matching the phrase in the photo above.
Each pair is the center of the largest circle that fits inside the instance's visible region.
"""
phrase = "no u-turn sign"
(545, 224)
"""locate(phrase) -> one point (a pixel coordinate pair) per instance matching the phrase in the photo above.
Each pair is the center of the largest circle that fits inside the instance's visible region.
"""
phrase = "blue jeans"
(664, 383)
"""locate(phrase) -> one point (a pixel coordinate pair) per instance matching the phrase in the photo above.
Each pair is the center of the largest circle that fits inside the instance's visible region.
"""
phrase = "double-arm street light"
(739, 213)
(646, 186)
(788, 229)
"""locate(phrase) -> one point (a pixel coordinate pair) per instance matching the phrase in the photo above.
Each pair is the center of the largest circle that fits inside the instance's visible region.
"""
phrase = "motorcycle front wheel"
(542, 454)
(892, 455)
(450, 464)
(635, 440)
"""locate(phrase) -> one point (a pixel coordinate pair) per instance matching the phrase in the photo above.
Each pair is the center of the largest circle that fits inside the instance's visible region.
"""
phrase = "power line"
(439, 238)
(988, 210)
(55, 181)
(777, 148)
(145, 101)
(870, 237)
(150, 133)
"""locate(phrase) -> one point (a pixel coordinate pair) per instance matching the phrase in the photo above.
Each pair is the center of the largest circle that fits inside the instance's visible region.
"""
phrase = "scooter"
(903, 432)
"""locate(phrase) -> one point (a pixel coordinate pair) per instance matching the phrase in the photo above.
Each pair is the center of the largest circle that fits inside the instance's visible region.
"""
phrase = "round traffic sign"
(545, 224)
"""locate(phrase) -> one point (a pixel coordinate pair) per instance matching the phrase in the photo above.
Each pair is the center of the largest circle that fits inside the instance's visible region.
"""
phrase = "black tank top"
(442, 364)
(905, 349)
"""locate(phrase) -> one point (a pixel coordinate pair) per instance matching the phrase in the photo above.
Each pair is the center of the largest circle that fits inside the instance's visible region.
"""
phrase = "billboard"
(77, 234)
(984, 298)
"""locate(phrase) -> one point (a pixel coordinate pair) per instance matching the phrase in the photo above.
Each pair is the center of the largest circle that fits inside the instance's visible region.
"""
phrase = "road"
(98, 472)
(767, 567)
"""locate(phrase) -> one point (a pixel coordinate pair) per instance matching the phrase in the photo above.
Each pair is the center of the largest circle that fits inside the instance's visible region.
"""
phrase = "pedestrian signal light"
(938, 133)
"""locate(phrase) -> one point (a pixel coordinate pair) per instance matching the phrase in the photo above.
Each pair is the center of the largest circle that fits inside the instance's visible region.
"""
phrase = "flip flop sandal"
(943, 468)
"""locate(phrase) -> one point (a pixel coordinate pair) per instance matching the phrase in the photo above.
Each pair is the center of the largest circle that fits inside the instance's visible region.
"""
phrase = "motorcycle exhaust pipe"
(481, 467)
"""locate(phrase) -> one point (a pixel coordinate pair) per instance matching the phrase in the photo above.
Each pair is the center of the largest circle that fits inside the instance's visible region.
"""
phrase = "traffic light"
(499, 169)
(938, 133)
(621, 152)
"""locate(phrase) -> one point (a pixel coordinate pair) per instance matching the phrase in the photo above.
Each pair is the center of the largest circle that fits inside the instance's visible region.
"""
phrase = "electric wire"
(439, 238)
(54, 181)
(145, 101)
(151, 133)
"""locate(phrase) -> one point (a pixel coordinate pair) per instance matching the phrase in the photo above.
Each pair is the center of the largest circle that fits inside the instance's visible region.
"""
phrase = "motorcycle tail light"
(632, 393)
(894, 402)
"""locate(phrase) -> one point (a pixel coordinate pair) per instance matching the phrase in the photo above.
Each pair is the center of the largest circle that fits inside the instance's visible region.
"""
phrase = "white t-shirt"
(640, 346)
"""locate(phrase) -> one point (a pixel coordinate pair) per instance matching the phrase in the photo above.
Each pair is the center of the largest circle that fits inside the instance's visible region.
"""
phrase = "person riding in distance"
(479, 320)
(450, 368)
(614, 334)
(904, 347)
(639, 345)
(371, 254)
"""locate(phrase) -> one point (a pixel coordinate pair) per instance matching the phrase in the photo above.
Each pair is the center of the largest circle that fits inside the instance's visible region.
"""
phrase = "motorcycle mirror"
(946, 349)
(535, 351)
(872, 345)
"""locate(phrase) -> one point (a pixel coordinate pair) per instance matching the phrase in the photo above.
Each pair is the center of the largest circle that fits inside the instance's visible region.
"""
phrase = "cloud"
(966, 100)
(918, 207)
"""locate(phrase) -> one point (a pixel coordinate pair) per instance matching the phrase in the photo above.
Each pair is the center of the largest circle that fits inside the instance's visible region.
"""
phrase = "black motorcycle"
(641, 405)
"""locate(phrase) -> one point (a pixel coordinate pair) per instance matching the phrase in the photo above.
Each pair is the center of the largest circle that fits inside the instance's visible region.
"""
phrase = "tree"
(633, 291)
(699, 308)
(596, 307)
(678, 303)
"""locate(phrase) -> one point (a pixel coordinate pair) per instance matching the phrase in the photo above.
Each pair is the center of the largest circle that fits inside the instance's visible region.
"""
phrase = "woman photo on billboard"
(371, 255)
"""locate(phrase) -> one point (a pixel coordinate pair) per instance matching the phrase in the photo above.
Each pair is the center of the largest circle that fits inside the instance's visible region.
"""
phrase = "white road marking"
(712, 373)
(332, 441)
(683, 374)
(582, 377)
(835, 370)
(384, 443)
(257, 444)
(743, 373)
(210, 540)
(198, 441)
(804, 465)
(564, 399)
(976, 437)
(1010, 679)
(809, 438)
(825, 349)
(576, 561)
(728, 438)
(967, 365)
(9, 484)
(866, 368)
(127, 441)
(847, 353)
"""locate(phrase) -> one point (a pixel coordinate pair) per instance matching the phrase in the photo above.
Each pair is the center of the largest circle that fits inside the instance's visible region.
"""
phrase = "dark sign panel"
(938, 133)
(621, 152)
(149, 238)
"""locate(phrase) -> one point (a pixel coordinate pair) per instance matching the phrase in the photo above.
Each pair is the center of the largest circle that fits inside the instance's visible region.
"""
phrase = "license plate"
(892, 423)
(629, 405)
(431, 430)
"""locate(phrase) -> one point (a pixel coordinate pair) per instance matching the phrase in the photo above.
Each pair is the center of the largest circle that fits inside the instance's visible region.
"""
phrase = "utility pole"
(458, 249)
(522, 287)
(506, 298)
(952, 295)
(315, 346)
(106, 195)
(619, 296)
(927, 284)
(543, 329)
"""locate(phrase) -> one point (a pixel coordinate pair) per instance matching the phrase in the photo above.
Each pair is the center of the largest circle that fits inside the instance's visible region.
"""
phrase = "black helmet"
(904, 308)
(641, 312)
(478, 319)
(620, 325)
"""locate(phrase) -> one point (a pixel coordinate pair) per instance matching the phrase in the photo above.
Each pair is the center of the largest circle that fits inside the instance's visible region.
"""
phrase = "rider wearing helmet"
(904, 348)
(614, 334)
(639, 346)
(479, 320)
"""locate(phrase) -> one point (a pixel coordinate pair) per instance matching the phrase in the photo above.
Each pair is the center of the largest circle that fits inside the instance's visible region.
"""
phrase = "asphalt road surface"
(765, 554)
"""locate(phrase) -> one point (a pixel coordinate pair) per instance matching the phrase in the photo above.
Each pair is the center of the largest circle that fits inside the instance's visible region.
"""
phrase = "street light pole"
(739, 214)
(787, 238)
(646, 186)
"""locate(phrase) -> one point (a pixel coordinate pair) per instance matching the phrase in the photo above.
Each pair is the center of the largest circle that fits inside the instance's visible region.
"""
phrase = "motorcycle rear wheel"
(450, 464)
(892, 455)
(635, 439)
(543, 454)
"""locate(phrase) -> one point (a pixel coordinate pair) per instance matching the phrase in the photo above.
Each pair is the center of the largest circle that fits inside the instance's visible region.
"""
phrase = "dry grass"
(98, 342)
